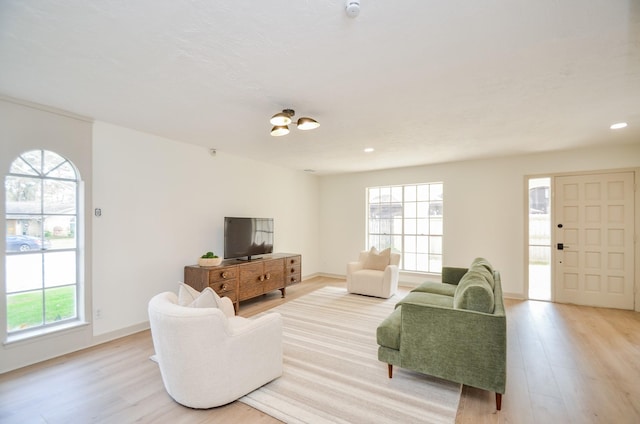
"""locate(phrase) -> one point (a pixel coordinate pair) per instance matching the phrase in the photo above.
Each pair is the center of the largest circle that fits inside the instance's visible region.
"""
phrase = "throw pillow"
(207, 299)
(186, 294)
(192, 298)
(377, 260)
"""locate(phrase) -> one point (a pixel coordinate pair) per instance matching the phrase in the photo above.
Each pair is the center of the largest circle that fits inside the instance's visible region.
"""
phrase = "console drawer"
(223, 274)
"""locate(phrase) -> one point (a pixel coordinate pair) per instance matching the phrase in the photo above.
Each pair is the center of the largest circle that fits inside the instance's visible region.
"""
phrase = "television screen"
(247, 237)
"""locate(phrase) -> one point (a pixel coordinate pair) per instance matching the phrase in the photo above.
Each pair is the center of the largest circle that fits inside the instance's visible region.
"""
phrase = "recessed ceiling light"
(369, 150)
(618, 125)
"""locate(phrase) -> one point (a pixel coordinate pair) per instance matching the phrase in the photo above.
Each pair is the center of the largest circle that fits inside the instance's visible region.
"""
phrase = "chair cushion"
(474, 293)
(377, 260)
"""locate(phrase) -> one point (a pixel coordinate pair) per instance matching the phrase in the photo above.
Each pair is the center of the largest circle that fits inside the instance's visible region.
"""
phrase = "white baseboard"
(107, 337)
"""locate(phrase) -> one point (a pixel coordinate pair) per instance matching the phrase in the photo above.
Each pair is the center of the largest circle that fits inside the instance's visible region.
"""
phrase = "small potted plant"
(209, 259)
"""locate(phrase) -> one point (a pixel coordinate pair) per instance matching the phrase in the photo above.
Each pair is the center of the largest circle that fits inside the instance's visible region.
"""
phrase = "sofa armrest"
(453, 275)
(459, 345)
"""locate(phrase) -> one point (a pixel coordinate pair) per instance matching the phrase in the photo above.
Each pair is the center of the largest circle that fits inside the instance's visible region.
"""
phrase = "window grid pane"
(409, 219)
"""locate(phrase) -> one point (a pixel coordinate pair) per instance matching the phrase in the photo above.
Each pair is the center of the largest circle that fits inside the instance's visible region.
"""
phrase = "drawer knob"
(293, 270)
(261, 278)
(224, 274)
(224, 287)
(268, 276)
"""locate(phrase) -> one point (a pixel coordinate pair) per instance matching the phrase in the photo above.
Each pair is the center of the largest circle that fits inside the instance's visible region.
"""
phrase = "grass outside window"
(25, 310)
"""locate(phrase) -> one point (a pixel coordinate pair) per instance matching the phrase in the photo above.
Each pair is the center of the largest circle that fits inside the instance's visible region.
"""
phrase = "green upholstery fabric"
(436, 288)
(388, 333)
(428, 299)
(474, 293)
(482, 262)
(453, 275)
(488, 276)
(460, 345)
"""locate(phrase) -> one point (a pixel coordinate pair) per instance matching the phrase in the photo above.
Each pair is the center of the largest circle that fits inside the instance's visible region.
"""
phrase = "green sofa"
(455, 330)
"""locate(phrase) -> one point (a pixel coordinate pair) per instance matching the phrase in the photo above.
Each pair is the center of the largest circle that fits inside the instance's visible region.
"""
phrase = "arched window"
(42, 266)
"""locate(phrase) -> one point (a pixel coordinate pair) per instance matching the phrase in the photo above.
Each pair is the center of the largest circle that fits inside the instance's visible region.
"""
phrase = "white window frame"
(44, 175)
(409, 219)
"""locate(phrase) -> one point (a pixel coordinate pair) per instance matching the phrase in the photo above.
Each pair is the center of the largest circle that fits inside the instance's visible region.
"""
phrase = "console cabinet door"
(273, 275)
(250, 284)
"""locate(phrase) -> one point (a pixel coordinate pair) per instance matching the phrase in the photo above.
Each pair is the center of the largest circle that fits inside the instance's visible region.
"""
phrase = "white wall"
(484, 206)
(163, 205)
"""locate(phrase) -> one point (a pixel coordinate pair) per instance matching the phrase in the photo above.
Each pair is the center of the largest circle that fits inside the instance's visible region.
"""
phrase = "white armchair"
(207, 356)
(374, 274)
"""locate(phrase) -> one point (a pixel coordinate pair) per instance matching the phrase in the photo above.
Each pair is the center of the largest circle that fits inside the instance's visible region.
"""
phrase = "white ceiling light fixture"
(369, 150)
(618, 125)
(282, 120)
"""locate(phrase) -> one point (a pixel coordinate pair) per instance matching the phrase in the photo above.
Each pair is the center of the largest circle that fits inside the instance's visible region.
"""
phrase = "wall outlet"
(98, 313)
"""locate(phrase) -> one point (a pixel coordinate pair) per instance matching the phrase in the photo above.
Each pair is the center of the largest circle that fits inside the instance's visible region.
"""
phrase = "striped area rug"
(332, 373)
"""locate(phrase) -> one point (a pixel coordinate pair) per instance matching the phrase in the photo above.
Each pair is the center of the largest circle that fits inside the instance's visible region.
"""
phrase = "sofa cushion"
(482, 262)
(453, 275)
(388, 332)
(377, 260)
(427, 299)
(488, 275)
(436, 288)
(474, 293)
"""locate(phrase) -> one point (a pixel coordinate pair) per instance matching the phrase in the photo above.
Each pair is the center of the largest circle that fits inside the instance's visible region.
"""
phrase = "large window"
(409, 220)
(41, 242)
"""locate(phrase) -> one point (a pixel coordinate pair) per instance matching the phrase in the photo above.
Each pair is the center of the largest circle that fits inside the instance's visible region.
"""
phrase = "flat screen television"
(245, 238)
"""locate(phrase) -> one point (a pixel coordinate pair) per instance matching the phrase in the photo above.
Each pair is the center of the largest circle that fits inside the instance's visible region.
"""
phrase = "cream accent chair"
(373, 274)
(207, 356)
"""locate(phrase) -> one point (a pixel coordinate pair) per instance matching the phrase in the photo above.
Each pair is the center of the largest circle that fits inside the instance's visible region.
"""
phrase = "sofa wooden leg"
(498, 401)
(390, 368)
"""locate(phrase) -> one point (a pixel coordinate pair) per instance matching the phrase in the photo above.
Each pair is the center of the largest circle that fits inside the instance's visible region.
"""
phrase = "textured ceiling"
(420, 81)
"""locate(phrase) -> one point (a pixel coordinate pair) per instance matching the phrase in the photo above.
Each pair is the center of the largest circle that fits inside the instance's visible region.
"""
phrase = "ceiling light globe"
(279, 130)
(305, 123)
(280, 119)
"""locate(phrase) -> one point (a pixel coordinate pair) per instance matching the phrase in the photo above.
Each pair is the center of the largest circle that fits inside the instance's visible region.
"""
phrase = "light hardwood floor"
(566, 364)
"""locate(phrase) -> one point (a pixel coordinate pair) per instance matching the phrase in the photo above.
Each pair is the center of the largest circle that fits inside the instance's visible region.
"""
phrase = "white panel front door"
(594, 232)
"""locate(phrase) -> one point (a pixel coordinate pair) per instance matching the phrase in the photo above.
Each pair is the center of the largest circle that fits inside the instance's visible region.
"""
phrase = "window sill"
(27, 336)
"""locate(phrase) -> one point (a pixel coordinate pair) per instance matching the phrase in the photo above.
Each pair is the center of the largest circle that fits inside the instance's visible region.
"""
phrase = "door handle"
(562, 246)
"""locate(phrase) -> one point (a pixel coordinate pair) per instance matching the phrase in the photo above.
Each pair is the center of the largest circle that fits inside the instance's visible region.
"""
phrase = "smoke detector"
(353, 8)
